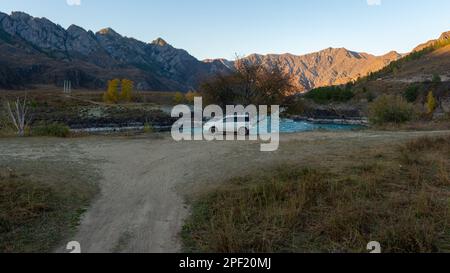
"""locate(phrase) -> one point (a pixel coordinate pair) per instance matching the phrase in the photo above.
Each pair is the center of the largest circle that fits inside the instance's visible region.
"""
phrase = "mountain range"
(38, 51)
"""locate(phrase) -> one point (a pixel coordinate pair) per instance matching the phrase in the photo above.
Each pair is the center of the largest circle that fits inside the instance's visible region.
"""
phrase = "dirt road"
(145, 181)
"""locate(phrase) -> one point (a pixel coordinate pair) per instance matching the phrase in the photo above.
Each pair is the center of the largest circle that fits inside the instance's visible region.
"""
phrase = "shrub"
(6, 127)
(295, 106)
(148, 128)
(190, 96)
(390, 109)
(411, 93)
(53, 130)
(178, 98)
(431, 103)
(370, 97)
(436, 79)
(330, 94)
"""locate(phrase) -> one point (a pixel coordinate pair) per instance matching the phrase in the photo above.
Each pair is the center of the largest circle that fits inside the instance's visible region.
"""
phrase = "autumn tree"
(178, 98)
(190, 96)
(112, 93)
(127, 87)
(431, 103)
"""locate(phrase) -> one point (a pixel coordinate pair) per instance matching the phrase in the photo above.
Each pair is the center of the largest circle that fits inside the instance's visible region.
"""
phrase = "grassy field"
(41, 203)
(398, 196)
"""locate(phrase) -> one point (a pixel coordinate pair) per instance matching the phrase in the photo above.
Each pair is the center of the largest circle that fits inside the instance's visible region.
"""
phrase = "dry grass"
(435, 125)
(38, 208)
(85, 109)
(83, 97)
(399, 198)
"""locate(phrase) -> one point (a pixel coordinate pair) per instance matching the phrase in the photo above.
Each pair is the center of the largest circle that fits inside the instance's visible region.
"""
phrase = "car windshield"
(236, 119)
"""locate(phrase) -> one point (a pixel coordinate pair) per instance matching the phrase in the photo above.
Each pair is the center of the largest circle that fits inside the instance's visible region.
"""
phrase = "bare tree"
(250, 83)
(18, 113)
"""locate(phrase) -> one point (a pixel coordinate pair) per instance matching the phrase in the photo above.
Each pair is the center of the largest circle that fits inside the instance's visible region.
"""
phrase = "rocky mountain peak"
(40, 32)
(333, 49)
(445, 36)
(81, 41)
(19, 15)
(109, 32)
(392, 54)
(75, 29)
(2, 15)
(159, 42)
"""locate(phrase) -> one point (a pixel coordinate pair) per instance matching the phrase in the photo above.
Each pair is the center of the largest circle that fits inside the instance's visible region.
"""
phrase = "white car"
(240, 124)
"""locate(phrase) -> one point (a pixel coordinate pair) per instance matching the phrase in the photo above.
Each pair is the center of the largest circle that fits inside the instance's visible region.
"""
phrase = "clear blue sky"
(223, 28)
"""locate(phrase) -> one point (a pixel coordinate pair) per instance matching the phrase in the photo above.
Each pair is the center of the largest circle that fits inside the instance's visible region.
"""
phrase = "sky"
(226, 28)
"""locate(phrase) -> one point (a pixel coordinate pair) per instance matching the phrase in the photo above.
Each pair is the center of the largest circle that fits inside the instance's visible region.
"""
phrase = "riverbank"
(341, 121)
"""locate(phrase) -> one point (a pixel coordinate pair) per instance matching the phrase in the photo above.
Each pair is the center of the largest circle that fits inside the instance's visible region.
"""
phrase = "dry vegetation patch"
(40, 206)
(397, 197)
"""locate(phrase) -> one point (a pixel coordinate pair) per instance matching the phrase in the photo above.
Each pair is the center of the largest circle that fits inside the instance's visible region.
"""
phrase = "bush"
(370, 97)
(148, 128)
(190, 96)
(390, 109)
(330, 94)
(6, 127)
(411, 94)
(436, 79)
(431, 103)
(295, 106)
(53, 130)
(178, 98)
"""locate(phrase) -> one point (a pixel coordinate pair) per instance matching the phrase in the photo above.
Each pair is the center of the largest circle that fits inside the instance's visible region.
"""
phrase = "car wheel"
(243, 131)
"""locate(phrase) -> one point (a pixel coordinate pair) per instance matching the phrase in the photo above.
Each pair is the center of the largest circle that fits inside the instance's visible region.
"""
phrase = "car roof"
(238, 116)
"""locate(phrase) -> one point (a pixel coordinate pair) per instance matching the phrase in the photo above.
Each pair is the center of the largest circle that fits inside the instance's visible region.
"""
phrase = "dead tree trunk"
(18, 114)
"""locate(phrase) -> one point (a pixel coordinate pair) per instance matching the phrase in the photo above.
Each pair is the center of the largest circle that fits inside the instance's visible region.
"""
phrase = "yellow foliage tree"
(127, 90)
(178, 98)
(190, 96)
(112, 94)
(431, 103)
